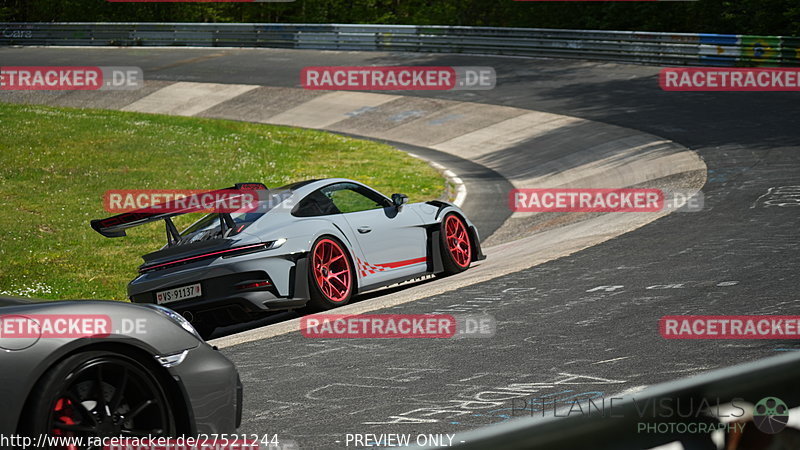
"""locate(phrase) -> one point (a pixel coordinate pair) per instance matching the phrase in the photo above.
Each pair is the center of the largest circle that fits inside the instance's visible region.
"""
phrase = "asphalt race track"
(581, 326)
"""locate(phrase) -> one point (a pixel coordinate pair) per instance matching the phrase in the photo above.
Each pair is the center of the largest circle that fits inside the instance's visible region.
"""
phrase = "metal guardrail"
(620, 46)
(617, 429)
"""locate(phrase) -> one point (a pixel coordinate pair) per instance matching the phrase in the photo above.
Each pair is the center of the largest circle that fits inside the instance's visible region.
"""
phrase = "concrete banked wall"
(531, 149)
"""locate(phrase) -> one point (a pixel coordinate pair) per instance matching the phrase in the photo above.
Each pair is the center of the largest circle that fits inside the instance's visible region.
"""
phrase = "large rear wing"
(115, 226)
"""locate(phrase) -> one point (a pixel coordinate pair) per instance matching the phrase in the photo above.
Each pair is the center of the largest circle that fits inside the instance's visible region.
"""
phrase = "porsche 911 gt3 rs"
(312, 245)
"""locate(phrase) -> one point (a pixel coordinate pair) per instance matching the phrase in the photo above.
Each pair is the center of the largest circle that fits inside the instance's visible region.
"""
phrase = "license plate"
(179, 293)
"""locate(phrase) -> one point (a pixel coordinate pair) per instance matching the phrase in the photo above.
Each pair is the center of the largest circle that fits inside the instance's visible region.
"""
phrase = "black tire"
(451, 265)
(65, 401)
(320, 298)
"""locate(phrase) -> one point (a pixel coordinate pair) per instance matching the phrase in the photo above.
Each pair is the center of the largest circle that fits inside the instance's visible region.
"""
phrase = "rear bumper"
(223, 299)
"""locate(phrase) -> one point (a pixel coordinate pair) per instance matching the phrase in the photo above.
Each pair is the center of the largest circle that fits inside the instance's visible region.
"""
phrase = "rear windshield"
(208, 227)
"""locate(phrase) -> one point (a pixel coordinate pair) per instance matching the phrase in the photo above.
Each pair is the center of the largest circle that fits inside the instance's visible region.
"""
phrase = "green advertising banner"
(761, 50)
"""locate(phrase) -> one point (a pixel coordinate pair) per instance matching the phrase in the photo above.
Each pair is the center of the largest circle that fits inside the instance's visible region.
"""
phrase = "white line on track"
(611, 360)
(461, 188)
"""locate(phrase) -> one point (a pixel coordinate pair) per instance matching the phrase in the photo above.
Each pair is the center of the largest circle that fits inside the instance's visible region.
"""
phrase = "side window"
(314, 204)
(348, 197)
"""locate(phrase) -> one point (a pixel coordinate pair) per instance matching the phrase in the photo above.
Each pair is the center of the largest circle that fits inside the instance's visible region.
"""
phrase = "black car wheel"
(99, 394)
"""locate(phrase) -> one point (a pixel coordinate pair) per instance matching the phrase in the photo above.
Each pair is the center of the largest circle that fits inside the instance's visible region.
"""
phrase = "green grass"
(56, 163)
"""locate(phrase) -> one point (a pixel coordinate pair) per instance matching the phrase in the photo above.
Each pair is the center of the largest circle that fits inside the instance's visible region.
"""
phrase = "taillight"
(224, 253)
(254, 285)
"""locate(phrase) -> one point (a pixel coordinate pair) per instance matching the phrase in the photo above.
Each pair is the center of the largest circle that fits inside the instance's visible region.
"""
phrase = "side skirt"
(388, 283)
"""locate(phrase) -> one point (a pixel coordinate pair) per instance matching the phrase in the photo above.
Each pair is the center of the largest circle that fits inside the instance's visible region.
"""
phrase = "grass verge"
(56, 163)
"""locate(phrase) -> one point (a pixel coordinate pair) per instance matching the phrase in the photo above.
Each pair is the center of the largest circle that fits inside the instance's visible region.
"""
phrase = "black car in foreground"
(104, 368)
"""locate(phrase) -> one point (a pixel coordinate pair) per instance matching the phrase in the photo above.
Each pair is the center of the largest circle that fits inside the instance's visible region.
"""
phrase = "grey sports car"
(311, 245)
(87, 368)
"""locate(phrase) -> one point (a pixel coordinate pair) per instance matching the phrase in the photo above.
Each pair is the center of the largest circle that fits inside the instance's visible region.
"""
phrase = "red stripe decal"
(407, 262)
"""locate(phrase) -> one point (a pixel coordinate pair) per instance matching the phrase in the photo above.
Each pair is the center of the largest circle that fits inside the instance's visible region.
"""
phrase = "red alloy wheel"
(458, 240)
(332, 270)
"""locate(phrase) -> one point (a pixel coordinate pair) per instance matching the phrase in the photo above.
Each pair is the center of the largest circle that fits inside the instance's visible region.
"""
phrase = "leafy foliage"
(768, 17)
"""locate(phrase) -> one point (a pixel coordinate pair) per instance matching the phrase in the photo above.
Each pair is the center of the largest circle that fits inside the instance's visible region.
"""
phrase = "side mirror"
(399, 200)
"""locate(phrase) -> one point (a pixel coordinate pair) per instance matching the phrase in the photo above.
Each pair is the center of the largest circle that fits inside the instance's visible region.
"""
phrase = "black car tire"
(65, 400)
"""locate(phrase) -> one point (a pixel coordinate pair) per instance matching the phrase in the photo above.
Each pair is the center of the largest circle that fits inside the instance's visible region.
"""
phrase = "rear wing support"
(173, 235)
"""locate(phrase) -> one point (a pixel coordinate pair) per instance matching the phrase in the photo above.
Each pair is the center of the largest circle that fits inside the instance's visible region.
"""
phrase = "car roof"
(310, 186)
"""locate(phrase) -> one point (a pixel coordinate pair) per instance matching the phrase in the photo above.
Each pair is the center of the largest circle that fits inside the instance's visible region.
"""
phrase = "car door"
(392, 242)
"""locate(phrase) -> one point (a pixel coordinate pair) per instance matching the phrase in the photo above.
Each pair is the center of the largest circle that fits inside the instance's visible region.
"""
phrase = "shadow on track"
(282, 316)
